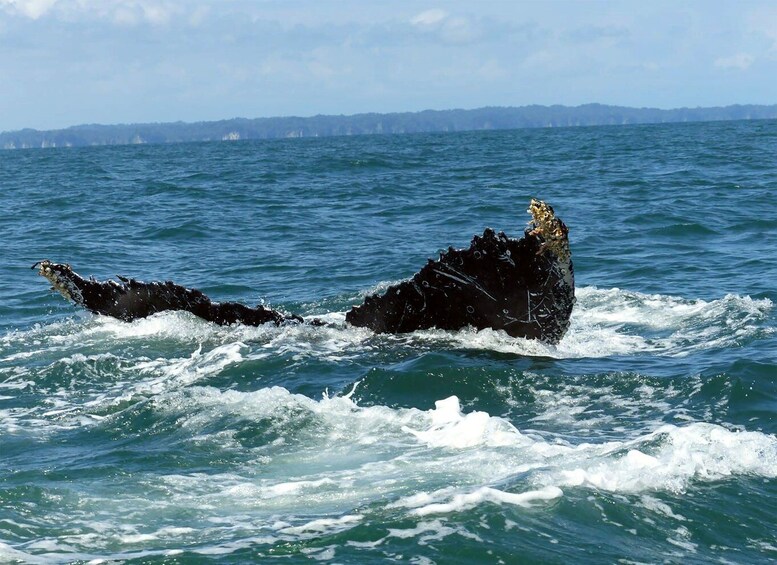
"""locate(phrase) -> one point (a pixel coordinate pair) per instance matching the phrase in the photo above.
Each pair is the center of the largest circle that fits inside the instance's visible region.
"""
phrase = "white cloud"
(31, 8)
(125, 12)
(739, 61)
(429, 17)
(449, 29)
(157, 14)
(132, 12)
(260, 57)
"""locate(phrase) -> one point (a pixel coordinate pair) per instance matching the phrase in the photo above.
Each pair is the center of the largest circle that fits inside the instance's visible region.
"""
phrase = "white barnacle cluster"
(552, 230)
(59, 283)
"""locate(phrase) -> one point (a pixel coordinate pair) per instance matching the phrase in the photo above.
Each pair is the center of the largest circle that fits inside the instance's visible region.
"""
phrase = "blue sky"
(67, 62)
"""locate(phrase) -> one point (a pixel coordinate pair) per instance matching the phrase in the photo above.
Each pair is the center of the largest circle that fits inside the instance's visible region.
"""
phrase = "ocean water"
(646, 436)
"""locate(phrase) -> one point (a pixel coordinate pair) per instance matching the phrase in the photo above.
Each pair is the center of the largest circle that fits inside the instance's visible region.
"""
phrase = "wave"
(443, 460)
(668, 325)
(87, 349)
(133, 361)
(87, 368)
(605, 322)
(190, 408)
(351, 463)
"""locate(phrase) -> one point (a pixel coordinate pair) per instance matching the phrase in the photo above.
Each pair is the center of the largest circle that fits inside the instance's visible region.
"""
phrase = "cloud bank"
(64, 62)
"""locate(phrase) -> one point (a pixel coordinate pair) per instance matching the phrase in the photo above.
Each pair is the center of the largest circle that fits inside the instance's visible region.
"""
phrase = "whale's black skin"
(131, 299)
(525, 287)
(500, 283)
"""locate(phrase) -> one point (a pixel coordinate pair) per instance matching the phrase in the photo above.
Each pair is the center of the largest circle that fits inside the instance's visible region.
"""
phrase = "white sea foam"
(450, 428)
(464, 501)
(694, 324)
(323, 525)
(10, 555)
(478, 448)
(77, 347)
(605, 322)
(61, 409)
(426, 531)
(618, 322)
(592, 408)
(327, 462)
(182, 328)
(673, 457)
(186, 371)
(333, 462)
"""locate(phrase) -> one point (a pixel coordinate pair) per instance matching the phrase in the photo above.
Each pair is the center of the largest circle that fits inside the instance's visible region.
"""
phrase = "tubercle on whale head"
(62, 279)
(554, 233)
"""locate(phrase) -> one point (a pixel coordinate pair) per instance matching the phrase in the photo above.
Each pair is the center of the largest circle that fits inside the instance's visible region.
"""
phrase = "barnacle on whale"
(545, 224)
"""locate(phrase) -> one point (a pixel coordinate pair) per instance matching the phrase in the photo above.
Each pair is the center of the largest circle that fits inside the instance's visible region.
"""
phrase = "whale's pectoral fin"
(133, 299)
(524, 287)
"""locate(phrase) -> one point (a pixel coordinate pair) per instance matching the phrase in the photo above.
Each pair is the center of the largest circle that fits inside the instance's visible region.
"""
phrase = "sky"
(69, 62)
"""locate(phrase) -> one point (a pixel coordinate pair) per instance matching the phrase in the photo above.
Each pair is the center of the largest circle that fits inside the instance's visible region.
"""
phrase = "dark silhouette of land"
(490, 118)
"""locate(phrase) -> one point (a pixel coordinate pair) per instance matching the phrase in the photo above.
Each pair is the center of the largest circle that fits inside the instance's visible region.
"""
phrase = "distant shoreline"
(427, 121)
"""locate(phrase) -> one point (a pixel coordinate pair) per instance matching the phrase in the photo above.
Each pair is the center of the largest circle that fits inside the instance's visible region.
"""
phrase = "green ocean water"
(646, 436)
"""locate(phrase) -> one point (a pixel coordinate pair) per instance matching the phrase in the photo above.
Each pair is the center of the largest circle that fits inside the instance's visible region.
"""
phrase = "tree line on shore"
(489, 118)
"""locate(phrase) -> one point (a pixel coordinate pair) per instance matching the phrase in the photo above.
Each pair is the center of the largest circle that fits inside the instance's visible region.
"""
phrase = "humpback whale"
(525, 287)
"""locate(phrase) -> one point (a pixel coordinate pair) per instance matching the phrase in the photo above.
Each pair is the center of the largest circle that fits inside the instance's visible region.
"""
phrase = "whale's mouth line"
(522, 286)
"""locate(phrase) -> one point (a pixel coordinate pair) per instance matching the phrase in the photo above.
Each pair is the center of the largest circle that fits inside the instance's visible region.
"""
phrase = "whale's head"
(62, 279)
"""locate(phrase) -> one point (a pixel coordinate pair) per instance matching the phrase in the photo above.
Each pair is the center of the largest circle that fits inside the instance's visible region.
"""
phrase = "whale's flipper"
(525, 287)
(131, 299)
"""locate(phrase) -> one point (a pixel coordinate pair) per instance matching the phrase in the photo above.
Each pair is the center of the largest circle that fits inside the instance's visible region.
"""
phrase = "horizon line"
(374, 113)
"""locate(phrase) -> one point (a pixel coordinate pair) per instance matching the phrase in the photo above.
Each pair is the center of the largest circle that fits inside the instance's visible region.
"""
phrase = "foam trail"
(348, 461)
(619, 322)
(605, 322)
(466, 501)
(695, 452)
(668, 458)
(450, 428)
